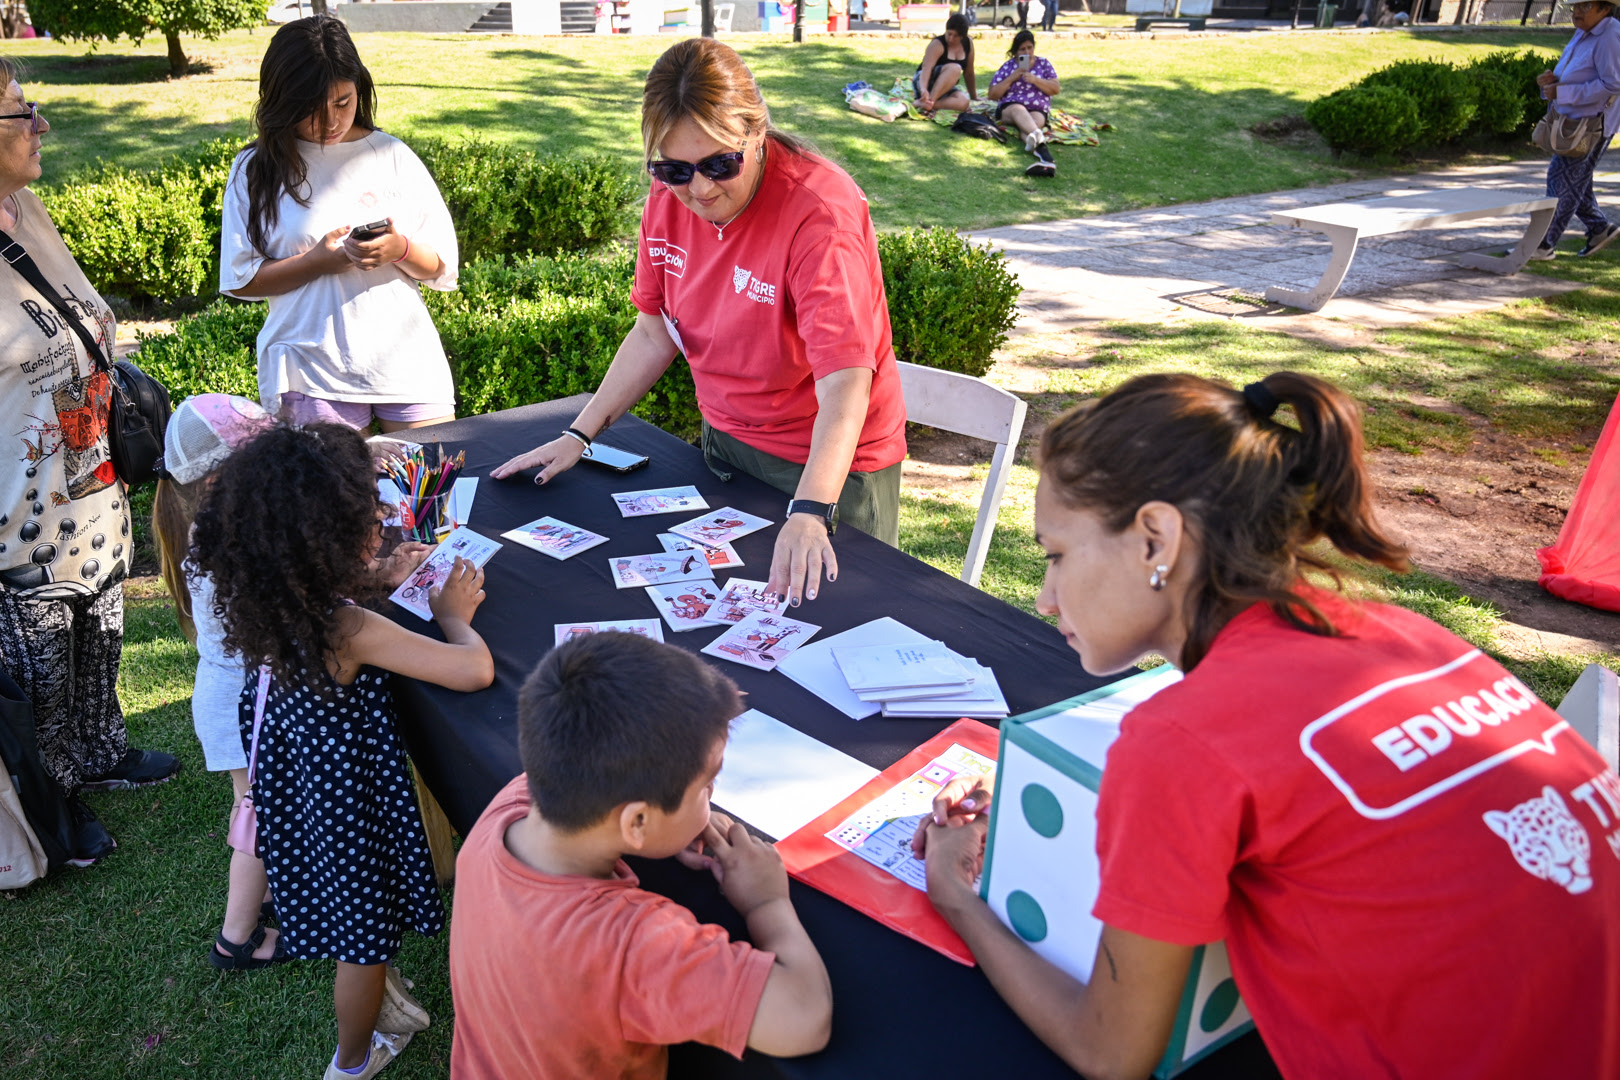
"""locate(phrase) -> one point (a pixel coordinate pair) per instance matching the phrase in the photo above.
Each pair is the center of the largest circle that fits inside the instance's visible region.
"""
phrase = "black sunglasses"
(679, 173)
(32, 116)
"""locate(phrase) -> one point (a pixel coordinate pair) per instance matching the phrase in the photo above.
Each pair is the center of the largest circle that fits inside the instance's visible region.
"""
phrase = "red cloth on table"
(1584, 565)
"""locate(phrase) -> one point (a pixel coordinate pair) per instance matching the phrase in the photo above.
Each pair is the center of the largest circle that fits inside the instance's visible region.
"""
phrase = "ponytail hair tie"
(1261, 401)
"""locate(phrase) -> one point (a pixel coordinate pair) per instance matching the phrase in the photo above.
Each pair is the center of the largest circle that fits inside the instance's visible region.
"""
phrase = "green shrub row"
(1414, 103)
(533, 328)
(154, 236)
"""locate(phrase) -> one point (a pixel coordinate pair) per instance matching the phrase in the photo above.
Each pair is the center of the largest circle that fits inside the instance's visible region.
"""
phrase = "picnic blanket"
(1063, 128)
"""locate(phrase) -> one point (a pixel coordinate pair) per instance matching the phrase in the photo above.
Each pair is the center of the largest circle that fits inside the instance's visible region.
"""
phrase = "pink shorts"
(300, 409)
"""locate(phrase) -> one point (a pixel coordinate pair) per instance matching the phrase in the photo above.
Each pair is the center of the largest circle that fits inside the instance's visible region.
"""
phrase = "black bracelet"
(580, 435)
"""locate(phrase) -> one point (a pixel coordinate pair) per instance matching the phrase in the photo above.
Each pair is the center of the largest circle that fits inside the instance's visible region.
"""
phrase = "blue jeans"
(1569, 180)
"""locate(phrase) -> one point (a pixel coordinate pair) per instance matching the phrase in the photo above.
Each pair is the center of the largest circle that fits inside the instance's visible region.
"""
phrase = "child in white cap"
(202, 433)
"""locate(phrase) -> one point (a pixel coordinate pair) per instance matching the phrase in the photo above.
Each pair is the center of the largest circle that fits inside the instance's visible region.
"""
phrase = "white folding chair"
(722, 17)
(1592, 708)
(972, 407)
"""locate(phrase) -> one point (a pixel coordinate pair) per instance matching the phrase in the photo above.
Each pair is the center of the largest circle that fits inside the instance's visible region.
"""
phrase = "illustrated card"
(721, 527)
(723, 557)
(556, 538)
(631, 571)
(645, 627)
(659, 501)
(880, 832)
(741, 598)
(761, 641)
(412, 595)
(685, 605)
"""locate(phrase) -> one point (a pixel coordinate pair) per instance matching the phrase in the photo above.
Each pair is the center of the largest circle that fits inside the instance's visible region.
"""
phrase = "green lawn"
(1181, 109)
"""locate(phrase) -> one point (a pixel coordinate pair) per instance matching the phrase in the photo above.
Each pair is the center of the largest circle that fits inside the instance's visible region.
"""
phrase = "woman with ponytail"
(1412, 860)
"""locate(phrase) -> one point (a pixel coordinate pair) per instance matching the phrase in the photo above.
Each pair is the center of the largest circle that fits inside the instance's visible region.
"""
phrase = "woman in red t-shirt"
(1413, 862)
(758, 261)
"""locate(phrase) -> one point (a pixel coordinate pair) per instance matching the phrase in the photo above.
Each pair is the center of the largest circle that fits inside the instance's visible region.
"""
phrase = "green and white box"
(1041, 873)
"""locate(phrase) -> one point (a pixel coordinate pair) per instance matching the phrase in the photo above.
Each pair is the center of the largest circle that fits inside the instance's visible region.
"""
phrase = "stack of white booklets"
(924, 678)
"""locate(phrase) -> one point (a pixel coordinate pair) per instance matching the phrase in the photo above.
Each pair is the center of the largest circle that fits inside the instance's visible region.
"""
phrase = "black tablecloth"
(887, 989)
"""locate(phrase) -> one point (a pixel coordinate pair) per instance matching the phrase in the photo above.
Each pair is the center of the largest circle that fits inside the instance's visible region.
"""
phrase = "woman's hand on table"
(384, 250)
(460, 595)
(803, 551)
(557, 456)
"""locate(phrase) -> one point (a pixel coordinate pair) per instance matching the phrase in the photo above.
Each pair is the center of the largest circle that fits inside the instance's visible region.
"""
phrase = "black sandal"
(240, 957)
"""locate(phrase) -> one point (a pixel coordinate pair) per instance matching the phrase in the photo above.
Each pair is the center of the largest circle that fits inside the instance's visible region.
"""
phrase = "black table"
(465, 745)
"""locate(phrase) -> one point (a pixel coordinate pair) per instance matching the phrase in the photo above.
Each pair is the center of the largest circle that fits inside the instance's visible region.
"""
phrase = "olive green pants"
(869, 502)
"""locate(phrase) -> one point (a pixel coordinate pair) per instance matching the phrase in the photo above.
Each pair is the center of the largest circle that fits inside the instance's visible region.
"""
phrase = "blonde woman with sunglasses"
(758, 261)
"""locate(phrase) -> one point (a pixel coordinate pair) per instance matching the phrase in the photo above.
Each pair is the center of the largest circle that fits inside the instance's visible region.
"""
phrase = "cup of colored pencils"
(427, 485)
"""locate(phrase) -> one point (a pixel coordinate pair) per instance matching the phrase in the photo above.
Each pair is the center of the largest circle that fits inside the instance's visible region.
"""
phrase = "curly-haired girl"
(289, 532)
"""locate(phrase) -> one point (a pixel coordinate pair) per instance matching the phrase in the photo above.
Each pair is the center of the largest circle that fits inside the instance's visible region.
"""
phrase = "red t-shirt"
(567, 977)
(788, 292)
(1412, 860)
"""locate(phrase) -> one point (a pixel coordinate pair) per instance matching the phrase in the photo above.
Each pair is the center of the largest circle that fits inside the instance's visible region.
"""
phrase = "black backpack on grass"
(980, 127)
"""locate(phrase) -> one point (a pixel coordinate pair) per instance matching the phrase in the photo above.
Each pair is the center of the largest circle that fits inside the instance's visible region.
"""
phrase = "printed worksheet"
(645, 627)
(659, 501)
(723, 557)
(721, 527)
(685, 605)
(476, 548)
(631, 571)
(880, 832)
(741, 598)
(761, 641)
(556, 538)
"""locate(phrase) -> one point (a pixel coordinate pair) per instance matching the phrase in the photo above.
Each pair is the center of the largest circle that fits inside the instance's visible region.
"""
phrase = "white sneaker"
(384, 1049)
(401, 1014)
(1031, 140)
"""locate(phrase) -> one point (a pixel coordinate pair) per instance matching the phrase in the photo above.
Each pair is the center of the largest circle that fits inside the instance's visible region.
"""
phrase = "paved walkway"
(1197, 259)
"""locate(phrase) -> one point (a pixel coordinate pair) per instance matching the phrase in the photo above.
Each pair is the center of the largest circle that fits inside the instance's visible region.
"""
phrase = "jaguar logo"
(740, 277)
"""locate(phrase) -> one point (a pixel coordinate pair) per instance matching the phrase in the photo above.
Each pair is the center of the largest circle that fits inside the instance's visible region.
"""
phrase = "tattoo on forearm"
(1113, 968)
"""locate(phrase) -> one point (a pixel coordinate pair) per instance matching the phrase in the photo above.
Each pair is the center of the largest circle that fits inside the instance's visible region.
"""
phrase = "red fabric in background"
(1584, 565)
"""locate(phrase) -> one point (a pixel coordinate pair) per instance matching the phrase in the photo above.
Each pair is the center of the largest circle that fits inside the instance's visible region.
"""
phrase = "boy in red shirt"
(560, 965)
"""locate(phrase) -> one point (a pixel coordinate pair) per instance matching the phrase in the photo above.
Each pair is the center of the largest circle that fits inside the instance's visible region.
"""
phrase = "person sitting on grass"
(947, 63)
(560, 965)
(1025, 85)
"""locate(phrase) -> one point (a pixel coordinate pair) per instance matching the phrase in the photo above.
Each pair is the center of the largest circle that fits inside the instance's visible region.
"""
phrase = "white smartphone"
(612, 457)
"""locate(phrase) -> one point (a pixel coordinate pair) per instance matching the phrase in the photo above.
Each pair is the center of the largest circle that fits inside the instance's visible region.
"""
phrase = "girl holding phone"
(1025, 85)
(337, 225)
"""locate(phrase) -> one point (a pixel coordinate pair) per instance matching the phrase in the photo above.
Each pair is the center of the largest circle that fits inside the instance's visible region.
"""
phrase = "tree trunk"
(177, 55)
(708, 18)
(317, 7)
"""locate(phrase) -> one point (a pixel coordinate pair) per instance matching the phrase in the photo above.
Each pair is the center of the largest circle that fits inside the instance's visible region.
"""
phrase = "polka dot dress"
(339, 830)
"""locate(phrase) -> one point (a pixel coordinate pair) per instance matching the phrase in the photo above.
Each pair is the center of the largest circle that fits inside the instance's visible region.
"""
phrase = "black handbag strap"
(22, 262)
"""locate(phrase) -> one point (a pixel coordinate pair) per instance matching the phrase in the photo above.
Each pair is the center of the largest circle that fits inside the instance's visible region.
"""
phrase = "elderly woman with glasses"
(1585, 82)
(758, 262)
(64, 514)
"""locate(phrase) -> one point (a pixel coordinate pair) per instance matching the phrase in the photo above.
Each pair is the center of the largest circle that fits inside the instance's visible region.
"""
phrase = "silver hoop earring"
(1161, 574)
(759, 155)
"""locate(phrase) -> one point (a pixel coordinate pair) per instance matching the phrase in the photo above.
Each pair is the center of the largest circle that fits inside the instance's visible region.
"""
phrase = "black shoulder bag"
(140, 405)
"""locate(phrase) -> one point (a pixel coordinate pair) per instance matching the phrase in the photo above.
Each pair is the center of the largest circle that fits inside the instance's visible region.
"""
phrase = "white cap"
(207, 429)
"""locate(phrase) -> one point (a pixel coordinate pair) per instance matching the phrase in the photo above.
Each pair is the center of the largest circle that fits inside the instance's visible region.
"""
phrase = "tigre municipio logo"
(1546, 840)
(758, 291)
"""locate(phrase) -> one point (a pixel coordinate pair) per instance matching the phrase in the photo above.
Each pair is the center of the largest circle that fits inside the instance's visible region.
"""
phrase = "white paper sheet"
(814, 668)
(461, 500)
(778, 779)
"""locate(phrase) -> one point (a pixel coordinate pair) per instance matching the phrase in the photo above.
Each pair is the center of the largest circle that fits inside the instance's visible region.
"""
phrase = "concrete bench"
(1345, 223)
(1151, 20)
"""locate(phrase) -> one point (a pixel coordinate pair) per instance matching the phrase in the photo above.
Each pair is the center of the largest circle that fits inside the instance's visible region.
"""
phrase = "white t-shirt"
(360, 335)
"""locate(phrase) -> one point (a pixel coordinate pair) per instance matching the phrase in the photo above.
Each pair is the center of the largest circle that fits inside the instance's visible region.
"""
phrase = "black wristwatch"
(827, 512)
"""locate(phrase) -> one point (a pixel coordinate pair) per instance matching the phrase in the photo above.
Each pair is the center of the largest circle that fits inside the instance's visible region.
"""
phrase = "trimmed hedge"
(1366, 119)
(154, 236)
(514, 202)
(1430, 102)
(951, 303)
